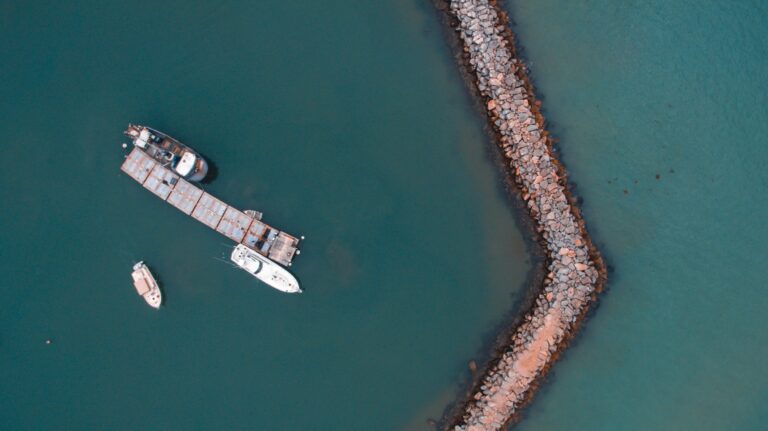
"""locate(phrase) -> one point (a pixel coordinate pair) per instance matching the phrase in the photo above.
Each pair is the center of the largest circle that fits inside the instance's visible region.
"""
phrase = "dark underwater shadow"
(213, 170)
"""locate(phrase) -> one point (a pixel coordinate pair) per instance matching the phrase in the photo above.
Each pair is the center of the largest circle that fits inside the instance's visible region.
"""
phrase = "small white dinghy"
(146, 286)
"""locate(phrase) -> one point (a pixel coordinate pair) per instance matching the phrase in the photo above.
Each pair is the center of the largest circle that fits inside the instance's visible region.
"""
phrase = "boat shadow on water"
(213, 170)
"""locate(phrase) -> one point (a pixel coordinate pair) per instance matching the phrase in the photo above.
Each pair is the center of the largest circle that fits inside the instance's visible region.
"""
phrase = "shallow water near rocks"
(661, 112)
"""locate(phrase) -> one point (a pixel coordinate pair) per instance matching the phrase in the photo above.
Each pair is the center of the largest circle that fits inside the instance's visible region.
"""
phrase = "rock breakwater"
(575, 271)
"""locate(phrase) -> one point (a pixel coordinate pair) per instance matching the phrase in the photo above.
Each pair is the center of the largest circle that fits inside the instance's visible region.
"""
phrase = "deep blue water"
(343, 122)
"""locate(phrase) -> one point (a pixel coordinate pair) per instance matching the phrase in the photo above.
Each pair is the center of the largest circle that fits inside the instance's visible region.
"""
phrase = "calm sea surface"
(342, 121)
(347, 122)
(678, 90)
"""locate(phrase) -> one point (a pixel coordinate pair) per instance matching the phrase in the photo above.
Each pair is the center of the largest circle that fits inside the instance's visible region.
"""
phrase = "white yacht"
(146, 286)
(264, 269)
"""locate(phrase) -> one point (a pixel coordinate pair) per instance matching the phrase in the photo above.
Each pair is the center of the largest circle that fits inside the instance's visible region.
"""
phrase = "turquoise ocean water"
(341, 121)
(676, 89)
(347, 122)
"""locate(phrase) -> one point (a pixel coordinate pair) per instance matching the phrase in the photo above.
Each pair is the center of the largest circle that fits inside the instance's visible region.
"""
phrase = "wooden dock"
(208, 210)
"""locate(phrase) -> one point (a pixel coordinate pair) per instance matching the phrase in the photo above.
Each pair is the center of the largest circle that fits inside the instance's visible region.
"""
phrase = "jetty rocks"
(575, 269)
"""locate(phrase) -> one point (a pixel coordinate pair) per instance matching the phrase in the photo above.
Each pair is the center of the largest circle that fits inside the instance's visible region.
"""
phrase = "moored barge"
(243, 227)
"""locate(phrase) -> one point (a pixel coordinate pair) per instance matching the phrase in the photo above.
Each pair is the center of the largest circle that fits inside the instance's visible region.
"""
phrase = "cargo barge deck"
(242, 227)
